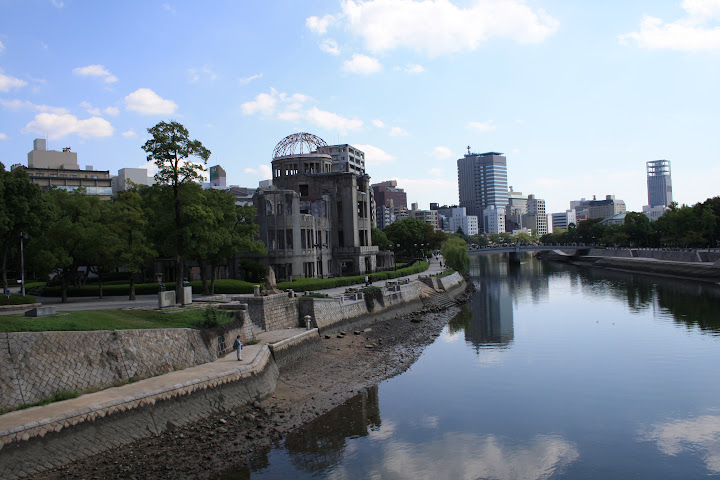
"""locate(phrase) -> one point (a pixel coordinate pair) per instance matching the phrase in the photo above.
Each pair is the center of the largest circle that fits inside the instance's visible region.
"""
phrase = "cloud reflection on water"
(469, 456)
(701, 434)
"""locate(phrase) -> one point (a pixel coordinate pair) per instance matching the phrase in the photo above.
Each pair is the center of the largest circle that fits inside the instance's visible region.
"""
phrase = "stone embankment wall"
(667, 255)
(273, 312)
(59, 441)
(291, 349)
(36, 365)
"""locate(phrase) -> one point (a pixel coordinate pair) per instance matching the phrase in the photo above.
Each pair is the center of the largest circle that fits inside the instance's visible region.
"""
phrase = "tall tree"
(170, 149)
(23, 209)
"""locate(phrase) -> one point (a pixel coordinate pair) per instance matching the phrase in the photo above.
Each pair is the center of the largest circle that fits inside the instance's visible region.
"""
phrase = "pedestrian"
(237, 345)
(367, 281)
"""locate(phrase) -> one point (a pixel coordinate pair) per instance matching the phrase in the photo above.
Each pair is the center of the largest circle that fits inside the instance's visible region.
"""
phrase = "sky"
(577, 95)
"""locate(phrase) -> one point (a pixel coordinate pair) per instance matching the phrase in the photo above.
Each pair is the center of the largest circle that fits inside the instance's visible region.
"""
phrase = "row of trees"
(681, 226)
(175, 218)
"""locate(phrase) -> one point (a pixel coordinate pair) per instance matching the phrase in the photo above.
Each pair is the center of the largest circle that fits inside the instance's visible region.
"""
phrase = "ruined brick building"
(316, 220)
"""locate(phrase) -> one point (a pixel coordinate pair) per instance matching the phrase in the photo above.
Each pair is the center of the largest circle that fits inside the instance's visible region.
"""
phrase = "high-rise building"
(482, 181)
(345, 158)
(218, 177)
(659, 183)
(387, 193)
(494, 219)
(536, 216)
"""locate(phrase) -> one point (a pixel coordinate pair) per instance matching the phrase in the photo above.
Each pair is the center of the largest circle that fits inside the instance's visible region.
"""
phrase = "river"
(550, 371)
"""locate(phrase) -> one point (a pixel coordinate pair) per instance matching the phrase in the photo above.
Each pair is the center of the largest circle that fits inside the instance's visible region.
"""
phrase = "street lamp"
(321, 246)
(23, 236)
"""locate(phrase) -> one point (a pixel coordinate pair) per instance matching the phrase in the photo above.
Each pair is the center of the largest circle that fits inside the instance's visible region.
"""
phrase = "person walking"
(237, 345)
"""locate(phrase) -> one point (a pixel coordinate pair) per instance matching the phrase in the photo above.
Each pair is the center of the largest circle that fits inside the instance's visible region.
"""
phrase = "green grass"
(16, 299)
(56, 397)
(118, 319)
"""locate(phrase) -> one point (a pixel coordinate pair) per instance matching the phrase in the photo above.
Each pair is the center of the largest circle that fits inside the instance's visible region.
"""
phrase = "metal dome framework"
(298, 143)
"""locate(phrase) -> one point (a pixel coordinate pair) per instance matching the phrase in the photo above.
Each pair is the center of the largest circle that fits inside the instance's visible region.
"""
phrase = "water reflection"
(701, 434)
(321, 443)
(468, 456)
(689, 303)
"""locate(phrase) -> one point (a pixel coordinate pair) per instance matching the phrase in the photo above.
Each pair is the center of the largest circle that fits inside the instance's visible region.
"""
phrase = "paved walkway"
(143, 388)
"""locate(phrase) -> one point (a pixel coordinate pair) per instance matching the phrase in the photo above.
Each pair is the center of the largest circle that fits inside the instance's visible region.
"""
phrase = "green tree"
(409, 233)
(170, 149)
(67, 237)
(130, 225)
(455, 253)
(23, 209)
(379, 239)
(637, 228)
(523, 239)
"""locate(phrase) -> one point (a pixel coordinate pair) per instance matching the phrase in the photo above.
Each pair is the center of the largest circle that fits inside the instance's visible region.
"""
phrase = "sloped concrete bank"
(695, 265)
(53, 442)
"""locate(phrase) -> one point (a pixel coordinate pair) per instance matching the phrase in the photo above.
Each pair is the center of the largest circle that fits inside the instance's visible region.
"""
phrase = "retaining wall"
(287, 351)
(59, 441)
(36, 365)
(273, 312)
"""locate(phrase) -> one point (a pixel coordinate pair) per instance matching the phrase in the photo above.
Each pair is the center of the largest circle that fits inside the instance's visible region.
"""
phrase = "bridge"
(515, 250)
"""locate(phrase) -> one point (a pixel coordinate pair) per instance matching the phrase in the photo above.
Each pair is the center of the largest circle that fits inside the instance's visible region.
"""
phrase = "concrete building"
(388, 190)
(605, 208)
(494, 219)
(51, 169)
(653, 213)
(482, 181)
(563, 219)
(617, 219)
(314, 221)
(218, 177)
(536, 218)
(345, 158)
(659, 183)
(428, 216)
(129, 176)
(384, 216)
(517, 206)
(458, 219)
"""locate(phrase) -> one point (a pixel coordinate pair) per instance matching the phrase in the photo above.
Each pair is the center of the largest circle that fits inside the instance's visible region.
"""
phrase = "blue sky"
(578, 95)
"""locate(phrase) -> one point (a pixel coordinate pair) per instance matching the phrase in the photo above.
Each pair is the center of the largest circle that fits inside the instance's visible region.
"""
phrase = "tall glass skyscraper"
(659, 183)
(482, 181)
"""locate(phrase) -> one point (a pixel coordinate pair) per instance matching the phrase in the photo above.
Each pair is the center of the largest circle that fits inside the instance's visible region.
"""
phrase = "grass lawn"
(117, 319)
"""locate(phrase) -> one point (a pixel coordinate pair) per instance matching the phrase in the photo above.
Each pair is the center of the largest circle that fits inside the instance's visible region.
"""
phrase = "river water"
(549, 372)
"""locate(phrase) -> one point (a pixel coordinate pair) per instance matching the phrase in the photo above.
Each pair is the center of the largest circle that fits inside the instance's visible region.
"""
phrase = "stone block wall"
(450, 282)
(273, 312)
(291, 349)
(36, 365)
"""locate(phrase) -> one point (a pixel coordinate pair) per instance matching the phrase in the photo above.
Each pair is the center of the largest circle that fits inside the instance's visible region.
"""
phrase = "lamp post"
(23, 236)
(414, 250)
(320, 246)
(397, 250)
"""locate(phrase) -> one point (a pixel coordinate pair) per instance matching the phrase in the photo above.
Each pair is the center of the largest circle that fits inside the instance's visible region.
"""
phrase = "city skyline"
(578, 98)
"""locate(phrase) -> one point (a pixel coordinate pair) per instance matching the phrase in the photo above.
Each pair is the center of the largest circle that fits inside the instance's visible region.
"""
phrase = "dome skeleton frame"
(298, 143)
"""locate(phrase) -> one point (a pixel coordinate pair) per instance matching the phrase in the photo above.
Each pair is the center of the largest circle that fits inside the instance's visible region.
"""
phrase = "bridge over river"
(579, 248)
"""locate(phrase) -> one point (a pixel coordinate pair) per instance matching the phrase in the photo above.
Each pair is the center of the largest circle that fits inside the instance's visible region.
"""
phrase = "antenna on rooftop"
(468, 148)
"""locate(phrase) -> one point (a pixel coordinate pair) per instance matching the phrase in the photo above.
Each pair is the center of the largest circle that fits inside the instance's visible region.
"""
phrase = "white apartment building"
(563, 219)
(494, 219)
(536, 216)
(126, 176)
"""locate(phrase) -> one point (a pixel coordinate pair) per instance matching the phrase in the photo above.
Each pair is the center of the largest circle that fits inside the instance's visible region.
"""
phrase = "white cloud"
(263, 103)
(398, 132)
(263, 171)
(58, 126)
(332, 121)
(96, 71)
(436, 172)
(375, 156)
(362, 64)
(169, 8)
(690, 33)
(129, 133)
(7, 82)
(319, 25)
(292, 108)
(246, 80)
(26, 105)
(147, 102)
(441, 153)
(438, 27)
(2, 47)
(204, 72)
(412, 68)
(378, 123)
(482, 126)
(330, 46)
(97, 111)
(3, 136)
(57, 3)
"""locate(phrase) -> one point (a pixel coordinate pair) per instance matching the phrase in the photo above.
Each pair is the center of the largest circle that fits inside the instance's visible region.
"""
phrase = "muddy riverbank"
(337, 370)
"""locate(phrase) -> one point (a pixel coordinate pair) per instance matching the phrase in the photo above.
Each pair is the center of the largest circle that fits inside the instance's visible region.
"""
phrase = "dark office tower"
(482, 181)
(659, 183)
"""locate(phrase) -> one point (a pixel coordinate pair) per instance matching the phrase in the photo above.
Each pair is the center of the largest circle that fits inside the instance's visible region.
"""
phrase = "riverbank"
(341, 366)
(699, 265)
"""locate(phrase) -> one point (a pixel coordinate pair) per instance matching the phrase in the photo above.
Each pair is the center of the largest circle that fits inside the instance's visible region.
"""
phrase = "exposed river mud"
(342, 366)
